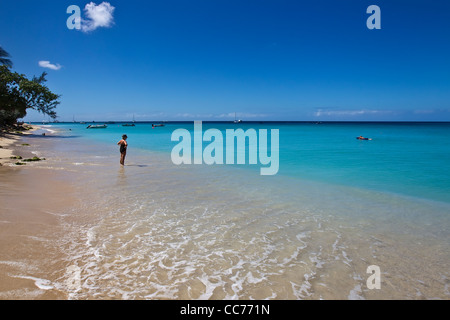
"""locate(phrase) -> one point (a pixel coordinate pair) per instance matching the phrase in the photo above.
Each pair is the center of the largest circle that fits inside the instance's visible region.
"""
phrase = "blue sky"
(264, 60)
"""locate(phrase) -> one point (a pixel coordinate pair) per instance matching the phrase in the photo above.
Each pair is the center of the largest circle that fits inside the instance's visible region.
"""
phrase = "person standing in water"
(123, 149)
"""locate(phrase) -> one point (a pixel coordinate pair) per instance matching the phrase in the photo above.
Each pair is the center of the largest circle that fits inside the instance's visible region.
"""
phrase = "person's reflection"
(122, 177)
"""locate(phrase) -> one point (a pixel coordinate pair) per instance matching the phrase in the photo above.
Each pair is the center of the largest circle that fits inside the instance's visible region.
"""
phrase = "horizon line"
(242, 122)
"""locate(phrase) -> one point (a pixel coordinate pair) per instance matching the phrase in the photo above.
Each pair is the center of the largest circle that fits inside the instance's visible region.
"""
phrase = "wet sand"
(31, 199)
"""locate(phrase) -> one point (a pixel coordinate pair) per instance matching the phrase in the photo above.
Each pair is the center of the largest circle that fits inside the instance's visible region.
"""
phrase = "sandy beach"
(29, 197)
(7, 143)
(11, 145)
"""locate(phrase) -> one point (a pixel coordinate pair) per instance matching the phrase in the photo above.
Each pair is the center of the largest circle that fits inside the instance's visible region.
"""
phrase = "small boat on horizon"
(236, 120)
(104, 126)
(129, 125)
(158, 125)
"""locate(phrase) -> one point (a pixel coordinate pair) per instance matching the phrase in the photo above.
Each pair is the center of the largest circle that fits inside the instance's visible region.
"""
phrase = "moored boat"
(99, 126)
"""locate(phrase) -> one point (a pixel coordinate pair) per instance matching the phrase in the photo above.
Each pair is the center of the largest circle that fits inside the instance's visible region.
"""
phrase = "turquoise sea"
(410, 159)
(155, 230)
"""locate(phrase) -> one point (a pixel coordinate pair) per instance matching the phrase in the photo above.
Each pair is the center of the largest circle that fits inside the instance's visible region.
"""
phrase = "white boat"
(236, 120)
(99, 126)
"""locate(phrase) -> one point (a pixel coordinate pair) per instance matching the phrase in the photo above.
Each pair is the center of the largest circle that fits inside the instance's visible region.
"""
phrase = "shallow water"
(152, 230)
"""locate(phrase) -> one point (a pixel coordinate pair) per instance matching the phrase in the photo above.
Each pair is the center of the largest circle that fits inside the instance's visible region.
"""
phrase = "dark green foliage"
(17, 94)
(4, 58)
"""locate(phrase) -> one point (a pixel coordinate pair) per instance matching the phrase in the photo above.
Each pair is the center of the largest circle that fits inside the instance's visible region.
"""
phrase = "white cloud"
(220, 117)
(320, 112)
(424, 111)
(98, 16)
(47, 64)
(191, 116)
(244, 115)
